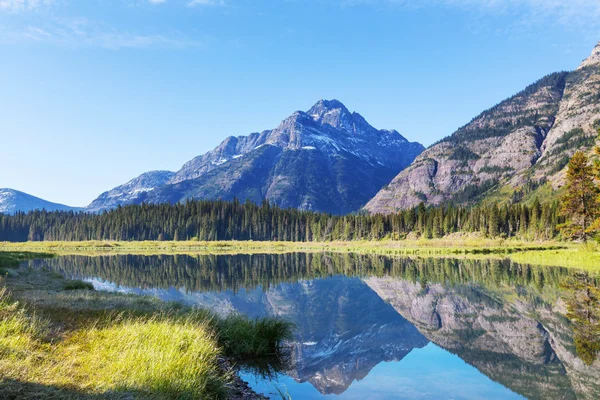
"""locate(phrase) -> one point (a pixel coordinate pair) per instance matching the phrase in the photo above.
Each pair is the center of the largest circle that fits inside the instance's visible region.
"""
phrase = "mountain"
(130, 191)
(12, 201)
(521, 144)
(326, 159)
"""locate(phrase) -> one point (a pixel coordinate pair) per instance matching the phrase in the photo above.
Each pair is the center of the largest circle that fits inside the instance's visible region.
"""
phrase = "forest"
(210, 220)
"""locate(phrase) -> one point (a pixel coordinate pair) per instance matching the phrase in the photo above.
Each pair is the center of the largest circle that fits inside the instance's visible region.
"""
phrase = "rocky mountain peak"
(593, 59)
(323, 106)
(125, 193)
(332, 112)
(326, 159)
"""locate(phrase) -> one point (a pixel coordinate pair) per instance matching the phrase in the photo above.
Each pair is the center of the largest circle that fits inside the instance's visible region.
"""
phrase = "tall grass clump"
(166, 356)
(243, 337)
(21, 334)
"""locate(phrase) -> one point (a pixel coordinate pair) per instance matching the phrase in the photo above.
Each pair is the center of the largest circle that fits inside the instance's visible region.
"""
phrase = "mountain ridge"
(13, 201)
(325, 159)
(525, 140)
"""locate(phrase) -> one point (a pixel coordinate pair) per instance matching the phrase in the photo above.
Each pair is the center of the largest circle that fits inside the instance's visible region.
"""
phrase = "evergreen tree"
(580, 202)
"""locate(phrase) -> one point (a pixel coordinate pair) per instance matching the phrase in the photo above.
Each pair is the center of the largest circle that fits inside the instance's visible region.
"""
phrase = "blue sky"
(96, 92)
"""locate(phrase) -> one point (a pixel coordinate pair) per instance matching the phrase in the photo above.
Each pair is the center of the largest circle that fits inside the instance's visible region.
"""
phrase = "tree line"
(210, 220)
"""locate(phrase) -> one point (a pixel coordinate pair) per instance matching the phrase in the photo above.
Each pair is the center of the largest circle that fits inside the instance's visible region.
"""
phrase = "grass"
(243, 337)
(580, 258)
(79, 343)
(161, 356)
(450, 245)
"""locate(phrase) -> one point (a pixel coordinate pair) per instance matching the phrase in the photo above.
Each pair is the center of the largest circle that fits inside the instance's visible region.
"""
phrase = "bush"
(243, 337)
(78, 285)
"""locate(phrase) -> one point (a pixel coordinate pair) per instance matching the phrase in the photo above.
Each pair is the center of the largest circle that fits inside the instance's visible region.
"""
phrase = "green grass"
(454, 244)
(78, 343)
(162, 356)
(579, 258)
(244, 338)
(158, 357)
(77, 285)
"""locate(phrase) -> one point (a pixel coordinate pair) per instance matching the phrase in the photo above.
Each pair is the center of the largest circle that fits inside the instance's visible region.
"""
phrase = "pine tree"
(580, 202)
(493, 221)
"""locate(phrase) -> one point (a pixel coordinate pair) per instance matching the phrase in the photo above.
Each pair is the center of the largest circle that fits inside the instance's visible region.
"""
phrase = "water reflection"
(391, 327)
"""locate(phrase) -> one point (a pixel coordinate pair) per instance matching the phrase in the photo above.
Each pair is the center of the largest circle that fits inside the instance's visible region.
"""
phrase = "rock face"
(130, 191)
(527, 138)
(12, 201)
(326, 159)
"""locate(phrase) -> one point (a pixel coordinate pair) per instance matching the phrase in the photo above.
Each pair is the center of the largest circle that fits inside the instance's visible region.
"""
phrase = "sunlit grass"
(161, 356)
(579, 258)
(466, 244)
(20, 332)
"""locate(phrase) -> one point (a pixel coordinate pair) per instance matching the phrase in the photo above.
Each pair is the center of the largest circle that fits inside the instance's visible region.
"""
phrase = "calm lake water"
(373, 327)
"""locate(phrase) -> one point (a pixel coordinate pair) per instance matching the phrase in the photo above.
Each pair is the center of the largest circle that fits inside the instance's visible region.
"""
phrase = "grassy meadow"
(456, 245)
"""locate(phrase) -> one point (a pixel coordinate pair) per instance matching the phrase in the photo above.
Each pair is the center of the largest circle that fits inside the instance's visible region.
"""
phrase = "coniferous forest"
(210, 220)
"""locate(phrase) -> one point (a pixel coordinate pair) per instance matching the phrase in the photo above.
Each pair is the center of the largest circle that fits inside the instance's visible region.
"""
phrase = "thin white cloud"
(564, 12)
(82, 33)
(194, 3)
(22, 5)
(157, 1)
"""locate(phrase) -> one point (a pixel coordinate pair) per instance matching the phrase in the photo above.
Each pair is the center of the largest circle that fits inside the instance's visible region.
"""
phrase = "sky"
(96, 92)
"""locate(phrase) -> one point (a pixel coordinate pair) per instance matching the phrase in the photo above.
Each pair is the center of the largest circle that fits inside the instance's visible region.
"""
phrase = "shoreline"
(70, 319)
(543, 253)
(416, 247)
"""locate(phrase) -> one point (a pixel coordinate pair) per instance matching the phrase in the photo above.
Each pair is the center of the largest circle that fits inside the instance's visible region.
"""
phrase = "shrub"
(78, 285)
(243, 337)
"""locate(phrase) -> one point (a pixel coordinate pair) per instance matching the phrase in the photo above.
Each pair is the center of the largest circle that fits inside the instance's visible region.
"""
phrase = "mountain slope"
(525, 140)
(12, 201)
(326, 159)
(130, 191)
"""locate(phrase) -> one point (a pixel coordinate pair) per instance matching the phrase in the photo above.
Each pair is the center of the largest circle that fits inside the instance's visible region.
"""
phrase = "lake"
(376, 327)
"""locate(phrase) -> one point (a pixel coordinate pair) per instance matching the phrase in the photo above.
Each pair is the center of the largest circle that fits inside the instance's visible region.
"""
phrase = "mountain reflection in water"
(380, 327)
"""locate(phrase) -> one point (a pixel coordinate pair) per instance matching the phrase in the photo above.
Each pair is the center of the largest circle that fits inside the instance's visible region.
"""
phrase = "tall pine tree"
(580, 202)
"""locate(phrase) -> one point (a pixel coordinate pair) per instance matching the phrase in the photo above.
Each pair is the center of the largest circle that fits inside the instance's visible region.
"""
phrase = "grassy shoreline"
(416, 247)
(52, 330)
(547, 253)
(58, 339)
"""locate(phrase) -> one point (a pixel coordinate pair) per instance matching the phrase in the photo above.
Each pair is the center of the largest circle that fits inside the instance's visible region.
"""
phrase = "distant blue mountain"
(12, 201)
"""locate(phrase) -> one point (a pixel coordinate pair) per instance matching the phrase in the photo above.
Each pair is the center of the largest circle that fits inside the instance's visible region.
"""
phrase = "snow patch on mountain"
(131, 191)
